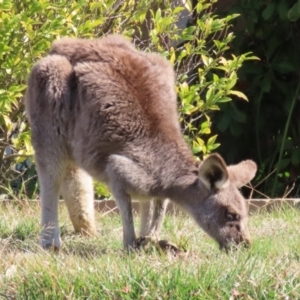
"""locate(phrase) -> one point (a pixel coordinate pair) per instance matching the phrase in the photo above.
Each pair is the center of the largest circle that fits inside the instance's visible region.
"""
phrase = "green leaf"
(178, 9)
(158, 15)
(188, 5)
(268, 11)
(293, 13)
(231, 17)
(101, 190)
(232, 81)
(205, 128)
(5, 5)
(205, 60)
(215, 77)
(7, 122)
(17, 88)
(213, 147)
(239, 94)
(142, 17)
(188, 33)
(224, 99)
(198, 146)
(283, 9)
(212, 140)
(209, 94)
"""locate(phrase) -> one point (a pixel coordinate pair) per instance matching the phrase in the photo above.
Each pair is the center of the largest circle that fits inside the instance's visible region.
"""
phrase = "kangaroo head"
(224, 211)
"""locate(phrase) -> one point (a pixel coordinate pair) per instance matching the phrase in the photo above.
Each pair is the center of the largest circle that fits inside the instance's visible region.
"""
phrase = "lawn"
(97, 268)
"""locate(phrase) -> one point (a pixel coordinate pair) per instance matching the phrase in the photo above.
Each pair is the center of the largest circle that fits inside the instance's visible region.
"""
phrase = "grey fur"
(102, 109)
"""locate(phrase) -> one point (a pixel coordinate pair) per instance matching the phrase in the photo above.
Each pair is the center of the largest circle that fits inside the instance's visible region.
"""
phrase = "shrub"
(268, 129)
(206, 73)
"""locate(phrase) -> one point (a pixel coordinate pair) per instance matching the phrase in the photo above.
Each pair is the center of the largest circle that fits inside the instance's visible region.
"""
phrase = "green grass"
(97, 268)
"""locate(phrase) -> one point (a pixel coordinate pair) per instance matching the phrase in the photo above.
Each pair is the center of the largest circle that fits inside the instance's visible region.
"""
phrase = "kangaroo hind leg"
(78, 193)
(49, 171)
(46, 101)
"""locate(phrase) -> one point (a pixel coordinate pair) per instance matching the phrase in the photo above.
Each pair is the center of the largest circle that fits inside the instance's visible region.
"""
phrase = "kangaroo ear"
(213, 172)
(242, 173)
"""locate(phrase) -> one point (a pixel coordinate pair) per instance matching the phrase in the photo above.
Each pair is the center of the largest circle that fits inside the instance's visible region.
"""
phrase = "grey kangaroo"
(102, 109)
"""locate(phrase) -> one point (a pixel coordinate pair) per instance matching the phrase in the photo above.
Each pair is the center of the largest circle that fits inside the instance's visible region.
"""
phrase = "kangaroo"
(102, 109)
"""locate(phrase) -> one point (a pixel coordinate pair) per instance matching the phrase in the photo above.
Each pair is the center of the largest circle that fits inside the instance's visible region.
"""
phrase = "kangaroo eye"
(232, 216)
(229, 217)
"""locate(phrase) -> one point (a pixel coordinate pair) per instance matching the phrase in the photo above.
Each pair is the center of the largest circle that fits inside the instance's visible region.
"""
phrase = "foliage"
(97, 268)
(206, 74)
(268, 129)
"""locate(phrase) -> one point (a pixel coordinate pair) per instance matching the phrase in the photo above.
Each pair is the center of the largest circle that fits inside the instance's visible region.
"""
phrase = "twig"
(258, 192)
(109, 211)
(9, 156)
(264, 179)
(289, 191)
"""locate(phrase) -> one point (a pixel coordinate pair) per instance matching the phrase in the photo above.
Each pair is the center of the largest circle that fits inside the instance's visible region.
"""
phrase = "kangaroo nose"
(247, 238)
(247, 242)
(244, 239)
